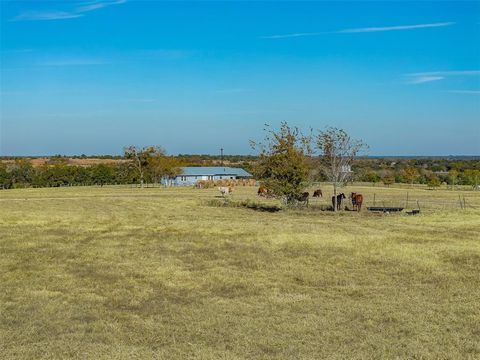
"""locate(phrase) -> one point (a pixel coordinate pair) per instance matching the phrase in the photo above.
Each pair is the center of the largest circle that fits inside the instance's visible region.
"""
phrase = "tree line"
(149, 164)
(145, 165)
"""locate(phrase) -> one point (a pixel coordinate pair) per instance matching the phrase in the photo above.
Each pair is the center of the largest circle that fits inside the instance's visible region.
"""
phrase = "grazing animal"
(317, 193)
(262, 191)
(303, 197)
(225, 190)
(339, 200)
(357, 200)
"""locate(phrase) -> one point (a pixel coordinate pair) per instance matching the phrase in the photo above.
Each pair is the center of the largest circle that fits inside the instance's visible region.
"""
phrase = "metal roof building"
(192, 174)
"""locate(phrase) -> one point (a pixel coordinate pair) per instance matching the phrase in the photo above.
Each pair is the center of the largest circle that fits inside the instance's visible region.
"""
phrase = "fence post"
(464, 203)
(406, 203)
(373, 199)
(418, 205)
(460, 201)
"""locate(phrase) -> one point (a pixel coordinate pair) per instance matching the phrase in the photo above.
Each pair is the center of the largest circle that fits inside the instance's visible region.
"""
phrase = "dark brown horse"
(357, 200)
(303, 197)
(339, 200)
(317, 193)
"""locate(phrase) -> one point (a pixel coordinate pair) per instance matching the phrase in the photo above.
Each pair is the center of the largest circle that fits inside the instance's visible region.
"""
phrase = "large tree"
(411, 174)
(337, 152)
(282, 166)
(163, 166)
(141, 158)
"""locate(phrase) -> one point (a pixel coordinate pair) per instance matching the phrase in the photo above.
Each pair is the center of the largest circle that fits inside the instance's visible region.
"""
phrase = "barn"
(191, 175)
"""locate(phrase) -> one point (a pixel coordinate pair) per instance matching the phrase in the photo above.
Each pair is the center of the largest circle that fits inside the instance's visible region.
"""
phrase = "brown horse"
(357, 200)
(317, 193)
(262, 191)
(339, 200)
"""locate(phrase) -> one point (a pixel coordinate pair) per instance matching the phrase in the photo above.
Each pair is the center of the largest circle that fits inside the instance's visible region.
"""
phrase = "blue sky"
(93, 76)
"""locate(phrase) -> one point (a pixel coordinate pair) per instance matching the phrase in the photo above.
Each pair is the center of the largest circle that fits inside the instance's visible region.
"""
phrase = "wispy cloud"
(294, 35)
(424, 77)
(77, 12)
(395, 28)
(46, 15)
(472, 92)
(361, 30)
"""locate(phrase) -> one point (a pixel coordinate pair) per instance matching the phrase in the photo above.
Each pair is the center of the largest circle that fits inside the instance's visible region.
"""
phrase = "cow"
(318, 193)
(339, 200)
(357, 200)
(225, 190)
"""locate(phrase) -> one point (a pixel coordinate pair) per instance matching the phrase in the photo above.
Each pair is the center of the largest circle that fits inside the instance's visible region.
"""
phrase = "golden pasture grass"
(121, 273)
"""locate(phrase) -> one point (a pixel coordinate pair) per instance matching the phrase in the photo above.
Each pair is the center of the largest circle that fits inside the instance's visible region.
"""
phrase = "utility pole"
(221, 156)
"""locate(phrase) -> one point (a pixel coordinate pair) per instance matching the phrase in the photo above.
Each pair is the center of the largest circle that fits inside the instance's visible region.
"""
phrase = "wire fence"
(461, 203)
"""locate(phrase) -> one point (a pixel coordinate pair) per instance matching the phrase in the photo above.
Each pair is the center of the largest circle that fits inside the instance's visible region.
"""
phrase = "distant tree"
(434, 182)
(21, 173)
(282, 166)
(141, 158)
(473, 177)
(411, 174)
(452, 177)
(388, 180)
(337, 153)
(372, 177)
(4, 177)
(162, 166)
(102, 174)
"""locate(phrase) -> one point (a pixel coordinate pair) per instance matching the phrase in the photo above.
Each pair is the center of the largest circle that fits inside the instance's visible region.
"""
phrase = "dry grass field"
(126, 273)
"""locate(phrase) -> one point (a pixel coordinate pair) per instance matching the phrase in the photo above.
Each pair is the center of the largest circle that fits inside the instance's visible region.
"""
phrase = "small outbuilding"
(191, 175)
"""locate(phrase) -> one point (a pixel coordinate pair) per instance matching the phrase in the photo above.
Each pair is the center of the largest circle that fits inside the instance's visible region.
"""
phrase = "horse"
(339, 200)
(357, 200)
(317, 193)
(303, 197)
(262, 191)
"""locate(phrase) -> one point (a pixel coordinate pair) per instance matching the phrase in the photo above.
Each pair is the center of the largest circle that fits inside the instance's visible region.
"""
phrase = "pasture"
(128, 273)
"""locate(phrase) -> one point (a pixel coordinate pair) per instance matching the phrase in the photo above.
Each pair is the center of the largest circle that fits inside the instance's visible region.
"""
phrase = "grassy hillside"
(120, 273)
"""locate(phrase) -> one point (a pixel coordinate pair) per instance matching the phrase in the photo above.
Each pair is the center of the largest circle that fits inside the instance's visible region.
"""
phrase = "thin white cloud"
(294, 35)
(396, 28)
(361, 30)
(77, 12)
(46, 15)
(472, 92)
(424, 77)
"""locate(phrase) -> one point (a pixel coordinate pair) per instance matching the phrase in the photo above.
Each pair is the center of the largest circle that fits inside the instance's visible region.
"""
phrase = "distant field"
(128, 273)
(71, 161)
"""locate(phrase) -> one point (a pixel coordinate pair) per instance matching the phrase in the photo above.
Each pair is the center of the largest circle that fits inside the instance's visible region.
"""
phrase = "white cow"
(225, 190)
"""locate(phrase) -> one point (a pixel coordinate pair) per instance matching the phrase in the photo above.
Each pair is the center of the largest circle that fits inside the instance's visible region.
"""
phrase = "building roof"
(214, 170)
